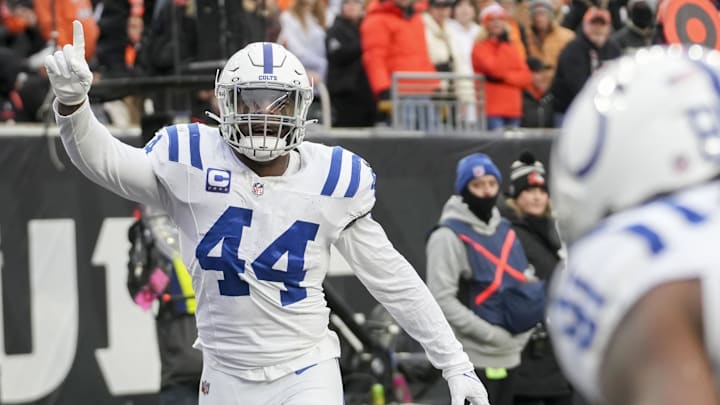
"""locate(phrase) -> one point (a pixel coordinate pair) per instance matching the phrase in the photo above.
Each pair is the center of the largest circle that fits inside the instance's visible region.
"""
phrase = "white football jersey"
(626, 256)
(258, 248)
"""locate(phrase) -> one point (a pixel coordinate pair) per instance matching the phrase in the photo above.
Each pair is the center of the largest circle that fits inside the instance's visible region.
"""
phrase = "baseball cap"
(597, 15)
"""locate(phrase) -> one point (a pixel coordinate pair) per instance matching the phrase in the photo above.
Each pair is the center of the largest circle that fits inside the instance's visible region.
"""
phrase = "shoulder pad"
(348, 175)
(177, 143)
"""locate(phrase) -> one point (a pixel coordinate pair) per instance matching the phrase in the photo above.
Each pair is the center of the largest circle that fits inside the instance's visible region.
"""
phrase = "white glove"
(69, 74)
(467, 386)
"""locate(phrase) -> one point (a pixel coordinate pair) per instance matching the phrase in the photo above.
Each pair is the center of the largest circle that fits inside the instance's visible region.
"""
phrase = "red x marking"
(501, 264)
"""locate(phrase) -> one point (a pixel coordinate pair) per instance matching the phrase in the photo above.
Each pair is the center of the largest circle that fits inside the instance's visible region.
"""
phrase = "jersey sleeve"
(588, 301)
(364, 200)
(394, 283)
(606, 276)
(612, 268)
(105, 160)
(351, 181)
(176, 159)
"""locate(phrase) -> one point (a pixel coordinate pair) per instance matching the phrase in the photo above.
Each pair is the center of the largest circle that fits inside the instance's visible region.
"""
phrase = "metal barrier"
(441, 102)
(326, 117)
(116, 88)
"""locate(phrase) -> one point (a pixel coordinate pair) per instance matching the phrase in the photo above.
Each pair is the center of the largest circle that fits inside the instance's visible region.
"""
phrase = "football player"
(257, 211)
(634, 318)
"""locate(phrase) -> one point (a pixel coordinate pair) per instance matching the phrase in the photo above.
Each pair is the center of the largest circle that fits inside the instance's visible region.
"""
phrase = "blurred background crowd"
(533, 55)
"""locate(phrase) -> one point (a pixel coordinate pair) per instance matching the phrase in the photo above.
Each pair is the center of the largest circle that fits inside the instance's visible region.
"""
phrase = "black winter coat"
(111, 43)
(539, 375)
(353, 103)
(157, 54)
(573, 19)
(575, 67)
(630, 37)
(537, 113)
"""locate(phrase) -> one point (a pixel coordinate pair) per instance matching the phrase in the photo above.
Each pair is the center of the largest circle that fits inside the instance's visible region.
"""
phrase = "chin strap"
(212, 116)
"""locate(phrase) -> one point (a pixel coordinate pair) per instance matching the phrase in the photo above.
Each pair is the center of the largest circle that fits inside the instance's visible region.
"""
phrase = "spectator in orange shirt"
(393, 39)
(505, 71)
(58, 15)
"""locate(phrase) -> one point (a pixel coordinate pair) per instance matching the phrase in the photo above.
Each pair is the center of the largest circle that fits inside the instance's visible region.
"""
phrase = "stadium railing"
(440, 102)
(115, 88)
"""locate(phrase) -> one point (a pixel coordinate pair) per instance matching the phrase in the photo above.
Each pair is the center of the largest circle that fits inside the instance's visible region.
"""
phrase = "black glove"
(493, 79)
(384, 105)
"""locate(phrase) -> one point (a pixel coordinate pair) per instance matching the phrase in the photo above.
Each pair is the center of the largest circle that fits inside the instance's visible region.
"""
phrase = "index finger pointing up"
(78, 38)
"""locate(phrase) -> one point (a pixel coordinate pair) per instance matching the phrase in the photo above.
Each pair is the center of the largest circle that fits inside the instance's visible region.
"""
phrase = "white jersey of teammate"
(258, 247)
(625, 257)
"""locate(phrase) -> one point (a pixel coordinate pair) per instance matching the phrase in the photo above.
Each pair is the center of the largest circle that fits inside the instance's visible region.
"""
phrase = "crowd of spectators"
(534, 55)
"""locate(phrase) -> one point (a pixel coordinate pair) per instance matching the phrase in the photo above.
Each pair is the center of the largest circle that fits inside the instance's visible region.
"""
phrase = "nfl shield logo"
(205, 387)
(258, 189)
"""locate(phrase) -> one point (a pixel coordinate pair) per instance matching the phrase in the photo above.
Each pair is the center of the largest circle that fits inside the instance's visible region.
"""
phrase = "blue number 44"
(229, 229)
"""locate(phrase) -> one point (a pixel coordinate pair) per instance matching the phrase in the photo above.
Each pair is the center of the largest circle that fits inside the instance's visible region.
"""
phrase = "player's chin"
(263, 157)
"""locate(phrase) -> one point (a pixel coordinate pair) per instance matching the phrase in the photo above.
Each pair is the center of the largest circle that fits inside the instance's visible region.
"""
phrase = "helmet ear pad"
(622, 143)
(264, 94)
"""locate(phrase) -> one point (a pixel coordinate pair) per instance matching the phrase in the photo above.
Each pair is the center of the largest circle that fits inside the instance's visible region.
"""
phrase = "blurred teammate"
(634, 318)
(257, 210)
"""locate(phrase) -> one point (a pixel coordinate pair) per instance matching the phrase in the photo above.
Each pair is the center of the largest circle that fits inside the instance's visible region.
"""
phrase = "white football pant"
(318, 384)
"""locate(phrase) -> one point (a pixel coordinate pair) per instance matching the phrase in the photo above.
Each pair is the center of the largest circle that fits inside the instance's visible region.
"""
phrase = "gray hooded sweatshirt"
(448, 266)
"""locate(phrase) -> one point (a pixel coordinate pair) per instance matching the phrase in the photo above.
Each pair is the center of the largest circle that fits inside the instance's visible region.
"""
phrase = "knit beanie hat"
(537, 6)
(526, 172)
(490, 11)
(441, 3)
(472, 166)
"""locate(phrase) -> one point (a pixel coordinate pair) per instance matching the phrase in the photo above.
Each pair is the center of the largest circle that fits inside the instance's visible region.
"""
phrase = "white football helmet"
(645, 125)
(264, 93)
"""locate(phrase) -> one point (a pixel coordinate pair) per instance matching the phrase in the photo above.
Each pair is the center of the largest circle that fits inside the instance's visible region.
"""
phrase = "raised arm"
(396, 285)
(105, 160)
